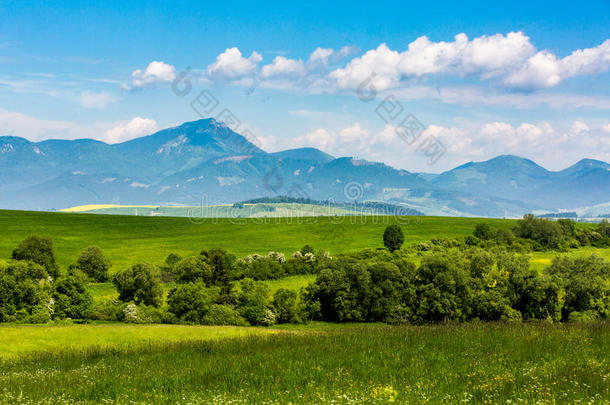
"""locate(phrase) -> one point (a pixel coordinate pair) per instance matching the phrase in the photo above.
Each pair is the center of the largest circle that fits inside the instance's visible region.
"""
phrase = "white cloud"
(320, 138)
(606, 128)
(323, 56)
(320, 56)
(425, 57)
(90, 99)
(541, 70)
(135, 128)
(155, 72)
(578, 127)
(495, 53)
(487, 55)
(510, 57)
(544, 69)
(587, 61)
(353, 133)
(232, 65)
(282, 66)
(379, 66)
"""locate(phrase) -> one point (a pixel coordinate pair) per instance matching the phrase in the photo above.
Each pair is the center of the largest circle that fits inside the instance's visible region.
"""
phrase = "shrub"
(23, 289)
(393, 238)
(191, 302)
(71, 299)
(131, 314)
(172, 259)
(547, 233)
(307, 249)
(504, 236)
(586, 284)
(444, 291)
(140, 283)
(603, 228)
(471, 240)
(483, 231)
(223, 270)
(107, 309)
(167, 269)
(93, 263)
(285, 305)
(252, 301)
(357, 291)
(223, 315)
(192, 269)
(40, 314)
(260, 267)
(38, 249)
(534, 295)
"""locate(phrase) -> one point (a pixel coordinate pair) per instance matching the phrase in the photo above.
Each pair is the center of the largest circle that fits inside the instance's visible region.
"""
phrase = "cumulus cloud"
(135, 128)
(606, 128)
(541, 70)
(379, 66)
(155, 72)
(487, 55)
(508, 61)
(544, 69)
(510, 58)
(231, 65)
(91, 99)
(282, 66)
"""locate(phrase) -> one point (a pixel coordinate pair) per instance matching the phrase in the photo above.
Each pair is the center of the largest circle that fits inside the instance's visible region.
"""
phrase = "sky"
(421, 86)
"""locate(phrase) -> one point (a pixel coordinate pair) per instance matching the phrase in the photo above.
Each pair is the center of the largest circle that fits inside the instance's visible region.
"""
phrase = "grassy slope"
(129, 239)
(481, 363)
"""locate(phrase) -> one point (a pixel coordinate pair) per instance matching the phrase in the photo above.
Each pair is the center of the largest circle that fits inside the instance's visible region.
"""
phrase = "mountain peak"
(584, 165)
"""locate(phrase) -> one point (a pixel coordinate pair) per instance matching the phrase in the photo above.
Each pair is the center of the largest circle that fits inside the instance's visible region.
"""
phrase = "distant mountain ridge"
(205, 162)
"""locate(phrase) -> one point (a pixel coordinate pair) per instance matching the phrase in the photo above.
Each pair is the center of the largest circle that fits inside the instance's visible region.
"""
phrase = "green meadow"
(308, 363)
(129, 239)
(474, 363)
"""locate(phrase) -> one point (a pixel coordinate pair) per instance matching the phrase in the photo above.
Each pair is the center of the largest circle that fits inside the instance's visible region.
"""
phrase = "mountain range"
(205, 162)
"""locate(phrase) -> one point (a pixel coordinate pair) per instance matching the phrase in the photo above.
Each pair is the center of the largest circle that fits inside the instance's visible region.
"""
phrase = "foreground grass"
(471, 363)
(129, 239)
(20, 340)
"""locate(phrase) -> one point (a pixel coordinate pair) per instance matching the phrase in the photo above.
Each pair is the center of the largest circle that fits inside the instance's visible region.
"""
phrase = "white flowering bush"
(277, 256)
(253, 257)
(269, 318)
(131, 314)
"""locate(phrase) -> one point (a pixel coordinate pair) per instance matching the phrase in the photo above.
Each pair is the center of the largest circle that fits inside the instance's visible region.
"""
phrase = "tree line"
(482, 276)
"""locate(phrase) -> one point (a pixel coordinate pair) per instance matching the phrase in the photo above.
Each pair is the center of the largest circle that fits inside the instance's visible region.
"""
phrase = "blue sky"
(526, 78)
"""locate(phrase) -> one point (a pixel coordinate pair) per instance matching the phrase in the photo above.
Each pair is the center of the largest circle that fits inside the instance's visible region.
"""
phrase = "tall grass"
(482, 363)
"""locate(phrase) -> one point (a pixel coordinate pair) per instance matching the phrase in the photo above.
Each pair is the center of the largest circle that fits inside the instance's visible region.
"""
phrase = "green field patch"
(129, 239)
(20, 340)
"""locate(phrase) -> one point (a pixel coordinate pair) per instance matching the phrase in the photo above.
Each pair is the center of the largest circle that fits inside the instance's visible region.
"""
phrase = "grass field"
(19, 340)
(129, 239)
(479, 363)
